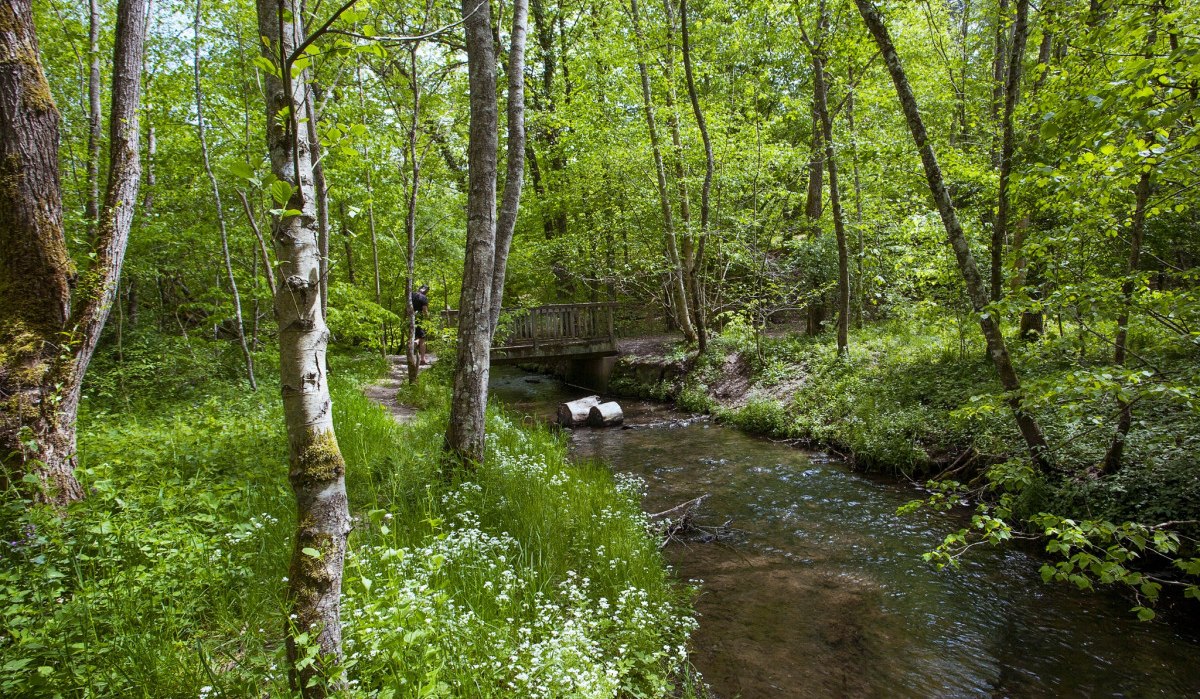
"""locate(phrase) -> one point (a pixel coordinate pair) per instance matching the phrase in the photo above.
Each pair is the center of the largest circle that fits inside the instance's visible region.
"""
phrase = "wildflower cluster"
(524, 583)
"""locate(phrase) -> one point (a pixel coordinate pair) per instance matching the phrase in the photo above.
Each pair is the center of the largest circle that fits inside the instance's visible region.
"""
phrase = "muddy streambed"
(823, 593)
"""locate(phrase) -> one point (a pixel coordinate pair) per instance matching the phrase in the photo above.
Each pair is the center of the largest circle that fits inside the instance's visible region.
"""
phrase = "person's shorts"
(420, 333)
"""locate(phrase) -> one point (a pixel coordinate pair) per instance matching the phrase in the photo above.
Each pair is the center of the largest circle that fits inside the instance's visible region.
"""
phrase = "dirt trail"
(384, 392)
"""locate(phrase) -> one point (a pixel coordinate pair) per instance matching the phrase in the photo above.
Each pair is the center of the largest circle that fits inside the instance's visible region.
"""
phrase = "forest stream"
(821, 590)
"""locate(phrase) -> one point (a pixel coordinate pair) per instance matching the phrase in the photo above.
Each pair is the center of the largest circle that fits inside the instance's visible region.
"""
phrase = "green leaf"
(281, 192)
(310, 552)
(242, 171)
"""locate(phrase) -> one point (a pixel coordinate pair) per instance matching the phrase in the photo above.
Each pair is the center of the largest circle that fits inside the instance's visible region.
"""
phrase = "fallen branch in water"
(682, 507)
(680, 521)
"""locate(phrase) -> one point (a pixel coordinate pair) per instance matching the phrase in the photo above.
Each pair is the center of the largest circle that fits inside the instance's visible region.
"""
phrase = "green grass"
(532, 577)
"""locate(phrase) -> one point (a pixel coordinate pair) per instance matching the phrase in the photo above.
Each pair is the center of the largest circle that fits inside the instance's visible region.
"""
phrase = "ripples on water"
(823, 593)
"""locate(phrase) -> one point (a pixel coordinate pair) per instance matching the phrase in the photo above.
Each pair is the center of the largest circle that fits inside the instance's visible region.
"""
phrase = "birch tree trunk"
(322, 192)
(47, 340)
(1031, 431)
(316, 469)
(468, 405)
(212, 180)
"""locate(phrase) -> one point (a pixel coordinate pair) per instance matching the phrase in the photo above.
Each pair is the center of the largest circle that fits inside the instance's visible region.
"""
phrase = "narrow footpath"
(384, 392)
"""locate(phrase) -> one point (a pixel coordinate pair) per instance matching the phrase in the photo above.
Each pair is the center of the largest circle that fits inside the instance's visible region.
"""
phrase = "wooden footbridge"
(553, 332)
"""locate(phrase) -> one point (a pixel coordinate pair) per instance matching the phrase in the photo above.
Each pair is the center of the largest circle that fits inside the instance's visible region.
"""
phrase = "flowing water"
(822, 591)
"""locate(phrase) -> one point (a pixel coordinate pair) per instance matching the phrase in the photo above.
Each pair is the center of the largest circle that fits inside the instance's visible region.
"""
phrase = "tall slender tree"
(515, 172)
(316, 468)
(821, 99)
(675, 280)
(695, 269)
(468, 405)
(1031, 430)
(201, 133)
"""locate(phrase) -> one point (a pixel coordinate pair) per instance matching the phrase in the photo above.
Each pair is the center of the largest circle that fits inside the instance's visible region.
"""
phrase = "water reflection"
(824, 593)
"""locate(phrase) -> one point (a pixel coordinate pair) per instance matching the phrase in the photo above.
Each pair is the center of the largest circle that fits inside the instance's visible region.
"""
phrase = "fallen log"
(575, 413)
(605, 415)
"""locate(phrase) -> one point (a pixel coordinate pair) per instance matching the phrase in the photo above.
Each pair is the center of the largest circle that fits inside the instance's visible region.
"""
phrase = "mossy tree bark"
(1031, 431)
(52, 318)
(316, 469)
(468, 406)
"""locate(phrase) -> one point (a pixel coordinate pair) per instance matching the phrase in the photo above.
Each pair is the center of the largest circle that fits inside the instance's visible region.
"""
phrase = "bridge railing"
(552, 327)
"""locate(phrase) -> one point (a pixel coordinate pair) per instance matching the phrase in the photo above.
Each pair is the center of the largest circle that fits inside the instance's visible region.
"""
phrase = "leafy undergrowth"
(534, 577)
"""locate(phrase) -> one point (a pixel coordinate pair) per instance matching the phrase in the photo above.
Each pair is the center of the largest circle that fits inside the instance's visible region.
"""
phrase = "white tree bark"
(316, 468)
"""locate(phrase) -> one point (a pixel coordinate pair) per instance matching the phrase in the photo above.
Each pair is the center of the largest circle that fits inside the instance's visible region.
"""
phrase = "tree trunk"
(1012, 93)
(212, 180)
(370, 202)
(347, 241)
(515, 175)
(696, 271)
(605, 415)
(262, 243)
(861, 295)
(322, 192)
(410, 220)
(675, 273)
(575, 413)
(35, 270)
(1031, 431)
(468, 406)
(1116, 448)
(999, 69)
(48, 341)
(687, 244)
(839, 226)
(92, 208)
(151, 178)
(814, 205)
(316, 469)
